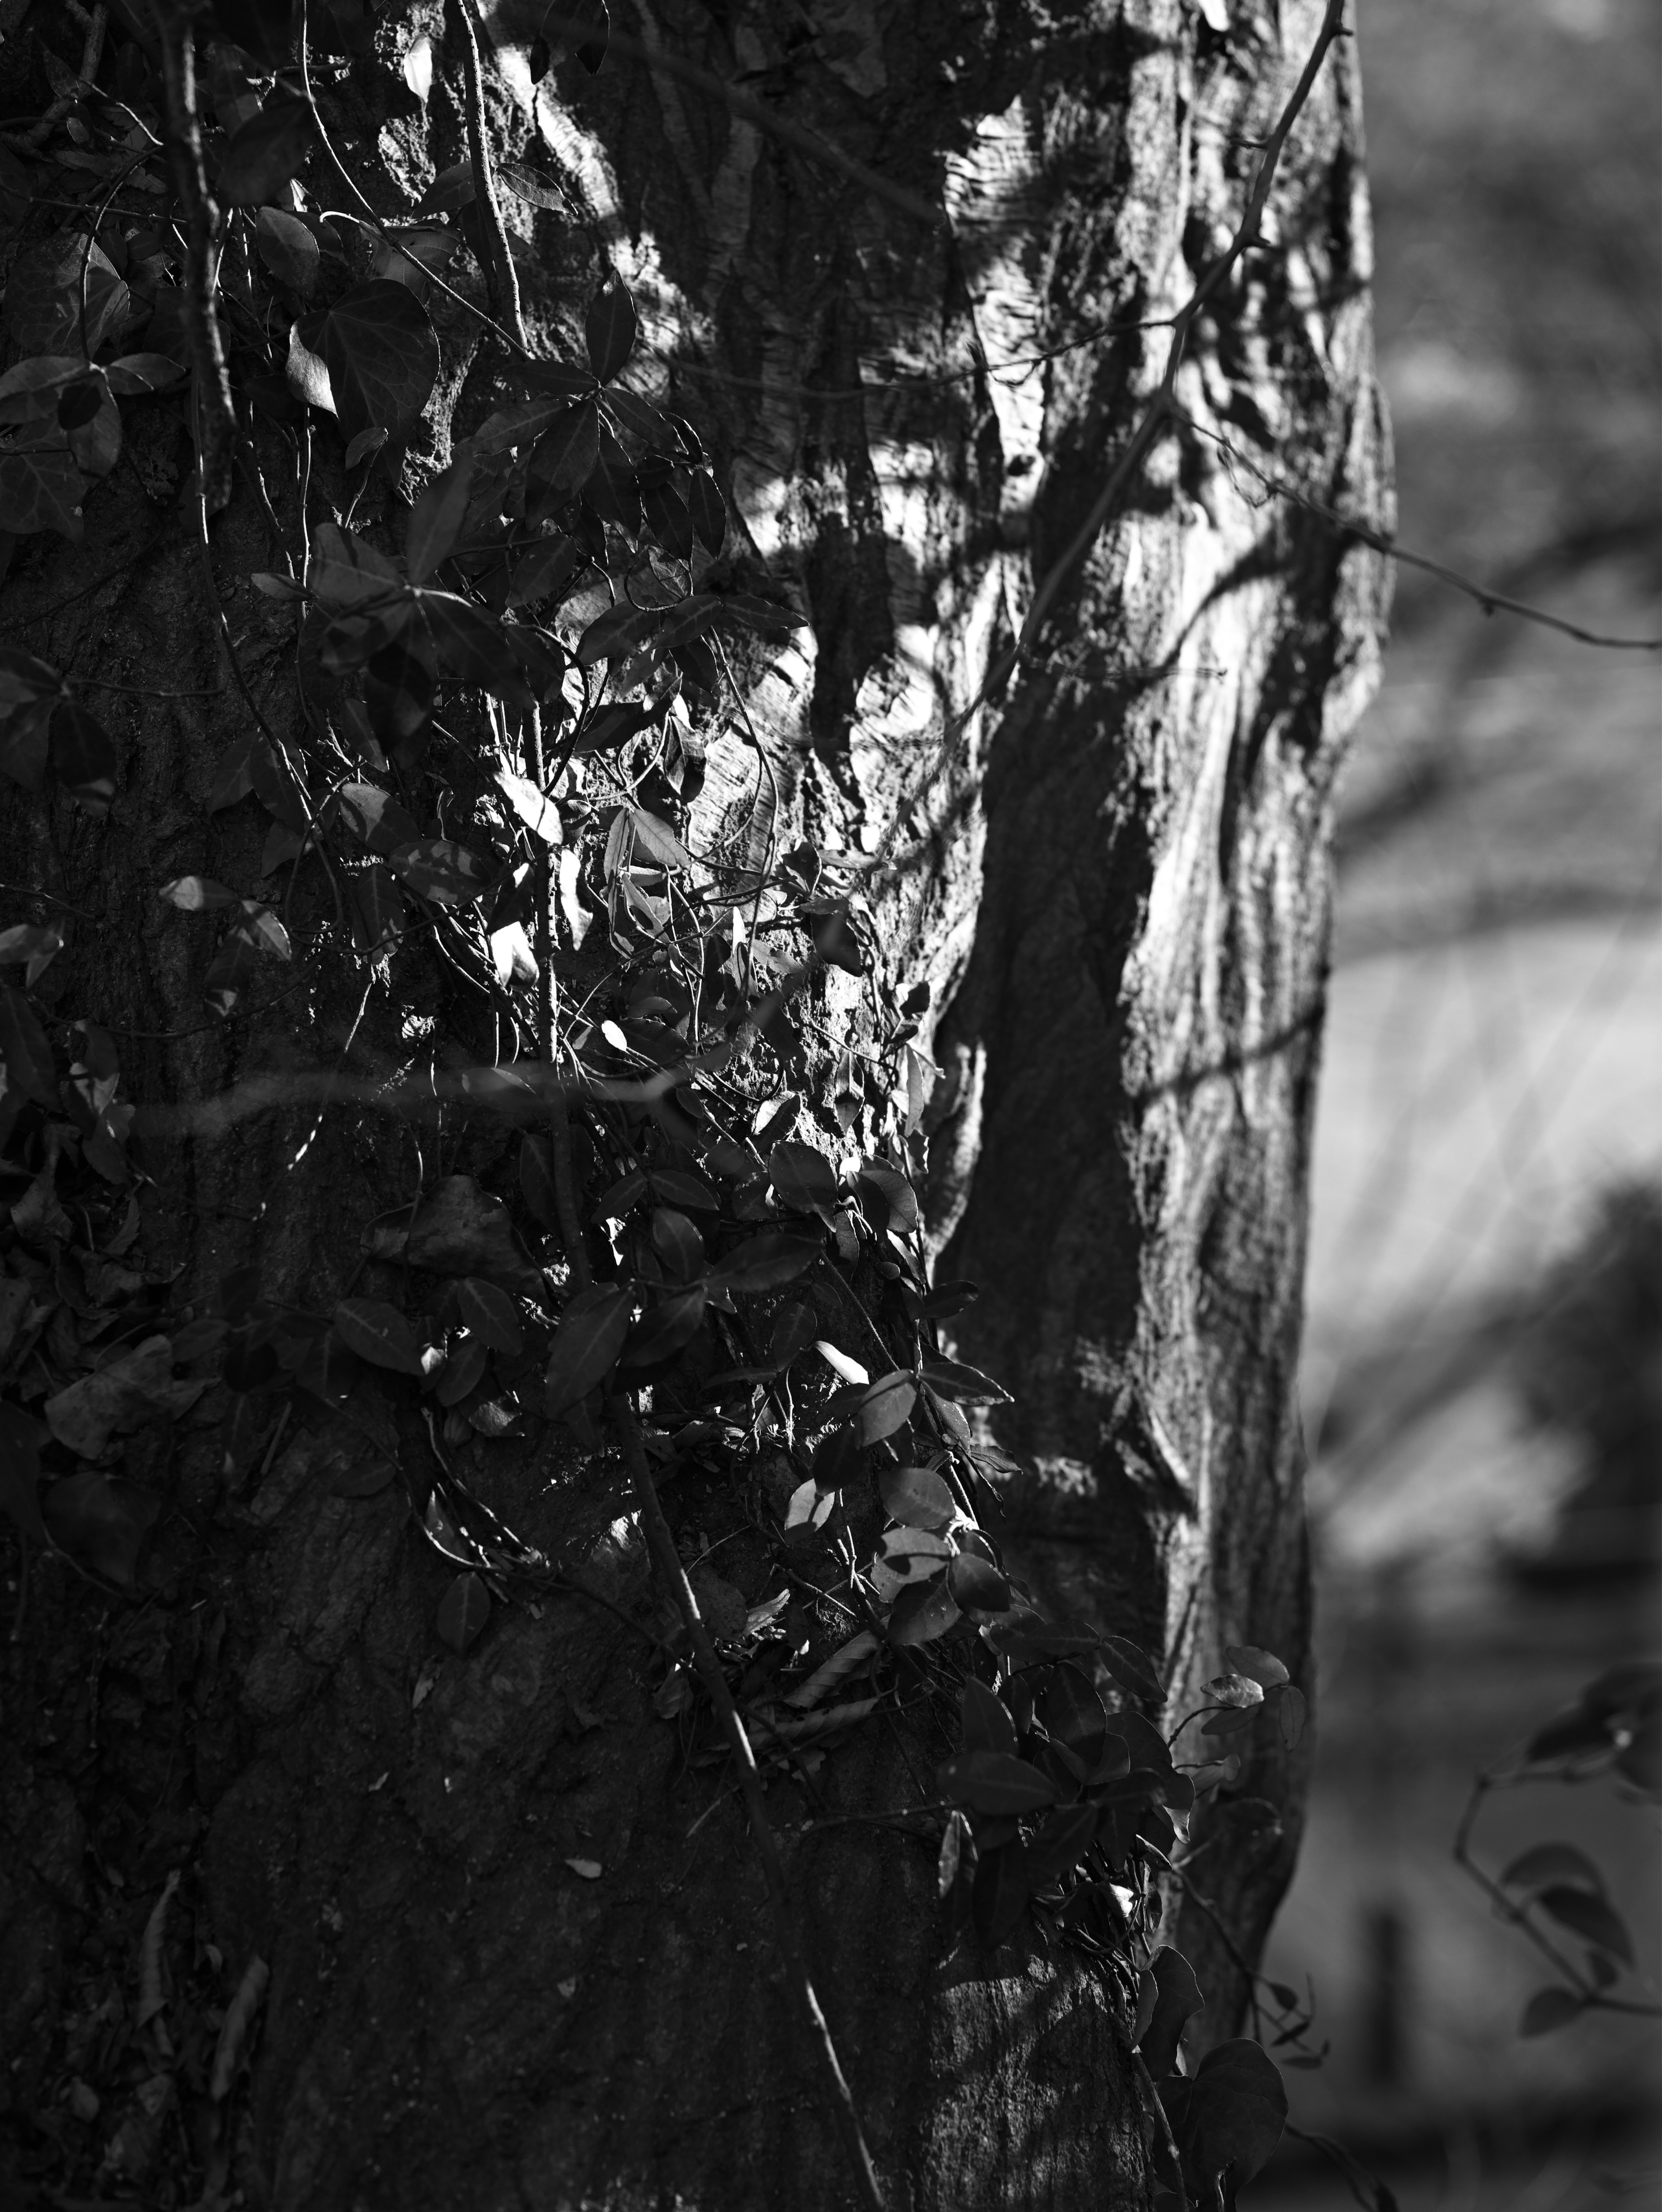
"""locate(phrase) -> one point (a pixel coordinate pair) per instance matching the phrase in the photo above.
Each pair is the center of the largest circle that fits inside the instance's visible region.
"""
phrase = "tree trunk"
(1112, 874)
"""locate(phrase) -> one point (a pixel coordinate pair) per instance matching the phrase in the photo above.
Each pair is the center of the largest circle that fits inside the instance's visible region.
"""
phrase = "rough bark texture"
(1114, 877)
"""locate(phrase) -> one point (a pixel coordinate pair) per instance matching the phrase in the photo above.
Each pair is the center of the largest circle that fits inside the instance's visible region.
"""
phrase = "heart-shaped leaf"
(381, 355)
(288, 249)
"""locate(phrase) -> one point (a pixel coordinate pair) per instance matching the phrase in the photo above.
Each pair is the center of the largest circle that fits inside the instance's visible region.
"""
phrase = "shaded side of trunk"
(1113, 879)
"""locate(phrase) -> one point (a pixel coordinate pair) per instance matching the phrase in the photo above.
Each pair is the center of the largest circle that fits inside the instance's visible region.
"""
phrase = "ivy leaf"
(609, 328)
(984, 1720)
(539, 813)
(491, 1314)
(44, 295)
(612, 488)
(709, 512)
(21, 1439)
(658, 840)
(100, 1522)
(520, 425)
(24, 1049)
(268, 149)
(438, 869)
(463, 1612)
(977, 1585)
(382, 356)
(765, 1263)
(666, 1327)
(995, 1782)
(1229, 2118)
(379, 1333)
(307, 373)
(436, 521)
(586, 1342)
(1546, 1864)
(41, 489)
(802, 1178)
(563, 458)
(1131, 1667)
(1591, 1917)
(374, 816)
(964, 1386)
(1261, 1667)
(1168, 1995)
(917, 1498)
(136, 374)
(196, 894)
(1549, 2008)
(885, 1407)
(83, 756)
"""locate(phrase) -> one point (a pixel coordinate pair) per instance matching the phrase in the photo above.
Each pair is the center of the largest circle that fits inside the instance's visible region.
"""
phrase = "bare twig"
(501, 279)
(216, 415)
(1491, 602)
(92, 53)
(660, 1542)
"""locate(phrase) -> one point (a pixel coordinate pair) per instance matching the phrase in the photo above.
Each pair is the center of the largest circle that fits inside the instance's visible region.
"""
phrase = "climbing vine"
(692, 1237)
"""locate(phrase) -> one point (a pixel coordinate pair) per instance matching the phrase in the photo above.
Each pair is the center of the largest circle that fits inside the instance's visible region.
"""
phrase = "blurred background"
(1483, 1382)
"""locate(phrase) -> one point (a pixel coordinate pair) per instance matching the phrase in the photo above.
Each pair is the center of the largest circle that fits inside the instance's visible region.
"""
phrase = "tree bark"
(1112, 873)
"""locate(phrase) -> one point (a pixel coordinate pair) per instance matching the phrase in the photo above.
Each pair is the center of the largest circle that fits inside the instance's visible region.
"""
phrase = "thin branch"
(660, 1542)
(757, 112)
(1491, 602)
(501, 279)
(216, 414)
(92, 53)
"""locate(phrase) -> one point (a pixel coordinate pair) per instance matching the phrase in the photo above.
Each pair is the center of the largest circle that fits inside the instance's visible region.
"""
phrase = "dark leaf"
(764, 1263)
(1546, 1863)
(986, 1724)
(885, 1407)
(792, 1332)
(436, 868)
(100, 1522)
(463, 1611)
(964, 1386)
(1000, 1892)
(288, 250)
(1073, 1714)
(709, 512)
(977, 1585)
(763, 615)
(83, 756)
(1131, 1669)
(666, 1328)
(21, 1439)
(893, 1200)
(263, 28)
(919, 1615)
(374, 816)
(436, 521)
(41, 491)
(680, 1188)
(586, 1343)
(463, 1371)
(471, 645)
(565, 456)
(537, 1180)
(1290, 1715)
(618, 631)
(612, 489)
(1261, 1667)
(268, 149)
(609, 328)
(379, 1333)
(1591, 1917)
(491, 1314)
(677, 1244)
(913, 1496)
(520, 425)
(1548, 2008)
(44, 295)
(666, 517)
(995, 1782)
(801, 1177)
(1061, 1843)
(1229, 2118)
(381, 355)
(24, 1049)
